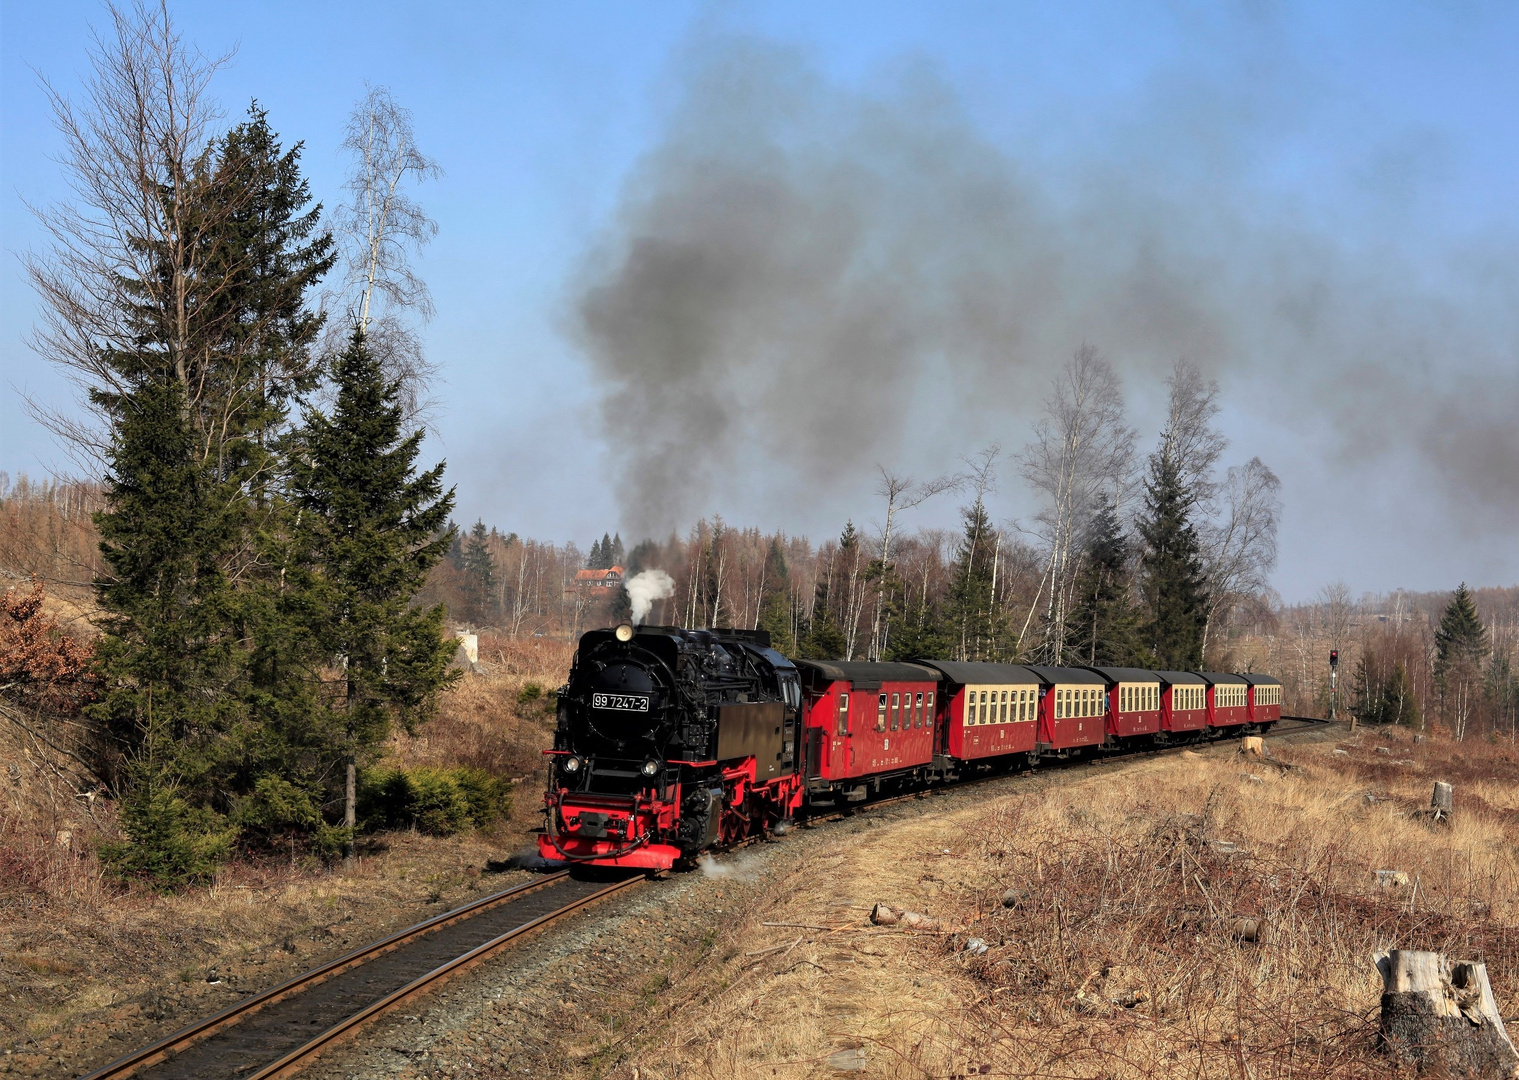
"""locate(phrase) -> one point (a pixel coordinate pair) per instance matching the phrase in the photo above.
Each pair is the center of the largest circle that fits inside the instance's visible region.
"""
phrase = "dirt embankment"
(1200, 914)
(90, 969)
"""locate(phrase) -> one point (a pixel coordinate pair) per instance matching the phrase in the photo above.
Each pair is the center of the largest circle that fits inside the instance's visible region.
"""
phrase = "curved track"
(276, 1032)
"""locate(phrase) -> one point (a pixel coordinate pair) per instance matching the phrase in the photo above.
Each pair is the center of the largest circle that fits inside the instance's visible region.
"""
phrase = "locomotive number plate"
(623, 702)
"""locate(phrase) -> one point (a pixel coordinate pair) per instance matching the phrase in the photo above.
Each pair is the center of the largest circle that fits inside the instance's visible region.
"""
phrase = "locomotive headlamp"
(650, 767)
(625, 631)
(572, 764)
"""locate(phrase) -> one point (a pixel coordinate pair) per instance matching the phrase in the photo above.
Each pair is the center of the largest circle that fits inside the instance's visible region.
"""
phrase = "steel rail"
(177, 1041)
(301, 1056)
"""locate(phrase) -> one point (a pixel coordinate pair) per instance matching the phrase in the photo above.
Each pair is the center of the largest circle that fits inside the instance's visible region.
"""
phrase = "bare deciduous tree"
(1194, 443)
(1082, 452)
(901, 493)
(1240, 549)
(131, 243)
(1335, 609)
(382, 228)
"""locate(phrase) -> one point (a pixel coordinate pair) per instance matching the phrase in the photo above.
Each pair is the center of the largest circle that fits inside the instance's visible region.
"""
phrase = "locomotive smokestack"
(646, 587)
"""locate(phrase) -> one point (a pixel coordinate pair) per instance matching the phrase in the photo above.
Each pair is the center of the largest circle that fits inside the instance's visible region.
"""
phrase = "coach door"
(841, 739)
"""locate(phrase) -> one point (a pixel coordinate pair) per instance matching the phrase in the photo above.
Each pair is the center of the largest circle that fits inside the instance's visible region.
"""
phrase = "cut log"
(1441, 1016)
(886, 915)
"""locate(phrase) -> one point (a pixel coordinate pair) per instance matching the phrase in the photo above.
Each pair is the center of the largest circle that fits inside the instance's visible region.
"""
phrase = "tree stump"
(1443, 801)
(1441, 1017)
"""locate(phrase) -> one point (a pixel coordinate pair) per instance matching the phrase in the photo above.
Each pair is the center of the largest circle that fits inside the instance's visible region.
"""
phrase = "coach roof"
(1183, 678)
(864, 675)
(981, 673)
(1053, 675)
(1127, 674)
(1215, 678)
(1259, 680)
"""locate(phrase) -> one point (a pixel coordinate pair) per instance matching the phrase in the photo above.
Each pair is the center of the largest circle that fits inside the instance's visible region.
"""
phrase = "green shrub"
(169, 843)
(277, 805)
(529, 693)
(439, 802)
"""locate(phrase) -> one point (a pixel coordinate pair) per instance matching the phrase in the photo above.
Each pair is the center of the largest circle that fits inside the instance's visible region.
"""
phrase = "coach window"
(896, 710)
(929, 707)
(917, 712)
(843, 714)
(881, 713)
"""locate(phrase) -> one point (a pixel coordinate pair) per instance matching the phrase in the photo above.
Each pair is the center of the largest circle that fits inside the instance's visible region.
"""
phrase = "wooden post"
(1442, 1016)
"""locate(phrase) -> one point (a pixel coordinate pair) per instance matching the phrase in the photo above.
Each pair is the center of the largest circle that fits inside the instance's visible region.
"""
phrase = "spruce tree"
(164, 653)
(602, 553)
(371, 529)
(1104, 627)
(617, 556)
(193, 642)
(1461, 636)
(479, 575)
(593, 560)
(1173, 581)
(922, 632)
(975, 629)
(775, 604)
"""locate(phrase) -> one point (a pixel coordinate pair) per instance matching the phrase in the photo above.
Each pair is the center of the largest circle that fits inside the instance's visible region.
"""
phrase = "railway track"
(277, 1032)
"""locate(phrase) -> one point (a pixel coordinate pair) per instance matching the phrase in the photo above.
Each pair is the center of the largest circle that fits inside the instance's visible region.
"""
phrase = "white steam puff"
(646, 587)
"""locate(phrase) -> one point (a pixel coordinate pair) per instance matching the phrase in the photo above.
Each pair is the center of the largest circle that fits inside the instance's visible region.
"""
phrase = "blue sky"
(1381, 135)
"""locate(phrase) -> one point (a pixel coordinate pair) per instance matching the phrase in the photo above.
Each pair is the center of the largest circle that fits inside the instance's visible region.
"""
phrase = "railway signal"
(1334, 679)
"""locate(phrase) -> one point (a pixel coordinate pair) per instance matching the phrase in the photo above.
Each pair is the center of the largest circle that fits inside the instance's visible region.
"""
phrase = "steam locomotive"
(671, 741)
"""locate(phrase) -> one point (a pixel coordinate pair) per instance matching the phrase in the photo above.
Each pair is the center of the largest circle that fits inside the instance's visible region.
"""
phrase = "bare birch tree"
(902, 493)
(1082, 452)
(1192, 440)
(1240, 549)
(132, 241)
(381, 230)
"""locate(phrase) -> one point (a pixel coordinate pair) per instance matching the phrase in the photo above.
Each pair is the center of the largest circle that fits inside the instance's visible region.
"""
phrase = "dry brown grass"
(80, 953)
(1121, 958)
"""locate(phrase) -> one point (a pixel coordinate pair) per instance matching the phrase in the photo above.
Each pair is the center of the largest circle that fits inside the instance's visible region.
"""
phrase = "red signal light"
(1334, 657)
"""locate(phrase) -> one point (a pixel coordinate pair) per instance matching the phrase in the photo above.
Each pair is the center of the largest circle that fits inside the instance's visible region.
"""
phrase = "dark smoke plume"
(804, 279)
